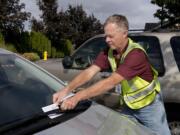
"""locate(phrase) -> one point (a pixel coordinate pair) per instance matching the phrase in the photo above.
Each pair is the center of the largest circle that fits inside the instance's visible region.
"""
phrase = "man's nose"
(107, 39)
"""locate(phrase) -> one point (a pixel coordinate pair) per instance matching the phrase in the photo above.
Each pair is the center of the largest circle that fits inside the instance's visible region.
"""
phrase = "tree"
(25, 42)
(169, 10)
(73, 24)
(11, 20)
(12, 16)
(81, 26)
(50, 19)
(37, 26)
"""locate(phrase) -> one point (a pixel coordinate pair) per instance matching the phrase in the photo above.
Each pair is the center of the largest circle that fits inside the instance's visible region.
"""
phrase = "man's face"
(115, 37)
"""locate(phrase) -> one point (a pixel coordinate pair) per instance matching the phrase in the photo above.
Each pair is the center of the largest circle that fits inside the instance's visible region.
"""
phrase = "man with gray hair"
(141, 93)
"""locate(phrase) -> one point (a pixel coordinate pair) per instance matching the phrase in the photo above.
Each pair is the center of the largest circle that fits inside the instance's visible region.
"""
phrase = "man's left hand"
(69, 103)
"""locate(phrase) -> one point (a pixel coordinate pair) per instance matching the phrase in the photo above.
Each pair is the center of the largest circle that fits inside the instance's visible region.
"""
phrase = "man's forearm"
(82, 78)
(100, 87)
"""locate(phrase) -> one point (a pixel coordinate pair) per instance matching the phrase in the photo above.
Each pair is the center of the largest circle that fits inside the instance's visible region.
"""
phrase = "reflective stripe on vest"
(134, 97)
(137, 92)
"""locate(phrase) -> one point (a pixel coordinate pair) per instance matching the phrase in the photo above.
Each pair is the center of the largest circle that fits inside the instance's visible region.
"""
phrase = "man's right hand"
(58, 96)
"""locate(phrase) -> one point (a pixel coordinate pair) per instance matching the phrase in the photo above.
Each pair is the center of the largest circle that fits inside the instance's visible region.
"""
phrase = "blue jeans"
(152, 116)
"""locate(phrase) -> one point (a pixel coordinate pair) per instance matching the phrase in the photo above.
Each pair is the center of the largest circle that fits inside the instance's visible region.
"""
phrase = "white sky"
(138, 12)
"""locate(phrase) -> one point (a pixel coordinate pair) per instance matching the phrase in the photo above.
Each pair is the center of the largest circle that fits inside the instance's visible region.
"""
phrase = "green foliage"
(59, 54)
(53, 52)
(169, 9)
(67, 47)
(6, 46)
(40, 43)
(31, 56)
(12, 16)
(1, 39)
(81, 26)
(51, 21)
(25, 42)
(51, 32)
(37, 26)
(11, 47)
(2, 45)
(73, 24)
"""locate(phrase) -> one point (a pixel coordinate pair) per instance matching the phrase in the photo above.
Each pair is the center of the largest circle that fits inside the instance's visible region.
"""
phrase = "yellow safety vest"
(137, 92)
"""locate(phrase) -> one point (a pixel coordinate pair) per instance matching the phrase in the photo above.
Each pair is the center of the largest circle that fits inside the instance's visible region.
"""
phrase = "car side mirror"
(83, 62)
(67, 62)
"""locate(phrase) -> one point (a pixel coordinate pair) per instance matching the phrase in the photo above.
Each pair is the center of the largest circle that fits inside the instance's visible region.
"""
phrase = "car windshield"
(24, 88)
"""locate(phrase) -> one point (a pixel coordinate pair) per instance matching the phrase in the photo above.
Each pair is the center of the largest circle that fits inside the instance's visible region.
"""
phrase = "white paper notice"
(52, 107)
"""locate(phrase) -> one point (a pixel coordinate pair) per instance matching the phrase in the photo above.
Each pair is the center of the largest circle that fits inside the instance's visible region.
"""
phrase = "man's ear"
(125, 33)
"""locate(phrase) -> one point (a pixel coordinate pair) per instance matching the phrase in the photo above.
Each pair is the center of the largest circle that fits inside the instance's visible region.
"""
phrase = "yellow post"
(45, 55)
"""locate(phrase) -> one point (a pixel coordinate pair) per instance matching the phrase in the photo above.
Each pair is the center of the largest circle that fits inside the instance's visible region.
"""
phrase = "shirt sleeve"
(102, 60)
(135, 64)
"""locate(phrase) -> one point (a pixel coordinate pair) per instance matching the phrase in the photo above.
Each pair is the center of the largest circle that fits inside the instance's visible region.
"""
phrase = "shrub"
(25, 42)
(10, 47)
(68, 49)
(1, 39)
(53, 52)
(40, 43)
(31, 56)
(59, 54)
(2, 45)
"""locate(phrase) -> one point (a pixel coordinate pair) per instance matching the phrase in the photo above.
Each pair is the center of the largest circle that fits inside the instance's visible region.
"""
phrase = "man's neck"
(123, 47)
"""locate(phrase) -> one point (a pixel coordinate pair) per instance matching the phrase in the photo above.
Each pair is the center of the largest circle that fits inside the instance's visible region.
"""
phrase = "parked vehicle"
(25, 88)
(163, 49)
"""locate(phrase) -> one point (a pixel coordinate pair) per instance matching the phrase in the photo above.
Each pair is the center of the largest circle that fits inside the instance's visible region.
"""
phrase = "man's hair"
(120, 20)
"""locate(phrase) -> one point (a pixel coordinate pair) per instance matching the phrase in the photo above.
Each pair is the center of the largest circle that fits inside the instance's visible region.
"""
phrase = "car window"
(175, 44)
(86, 54)
(23, 87)
(92, 47)
(152, 46)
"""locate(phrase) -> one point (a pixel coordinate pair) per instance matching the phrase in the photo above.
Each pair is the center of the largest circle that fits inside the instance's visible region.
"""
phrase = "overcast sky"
(138, 12)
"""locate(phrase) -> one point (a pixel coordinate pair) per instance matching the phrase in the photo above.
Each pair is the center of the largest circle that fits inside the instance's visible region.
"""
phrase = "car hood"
(98, 120)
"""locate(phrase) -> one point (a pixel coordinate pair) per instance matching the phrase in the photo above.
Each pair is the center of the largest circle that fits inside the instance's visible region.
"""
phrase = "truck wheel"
(174, 127)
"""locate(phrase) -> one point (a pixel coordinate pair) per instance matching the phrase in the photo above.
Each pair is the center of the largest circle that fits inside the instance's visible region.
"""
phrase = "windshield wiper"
(81, 106)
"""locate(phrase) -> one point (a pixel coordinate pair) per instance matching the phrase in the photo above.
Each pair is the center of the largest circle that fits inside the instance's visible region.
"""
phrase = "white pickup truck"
(163, 49)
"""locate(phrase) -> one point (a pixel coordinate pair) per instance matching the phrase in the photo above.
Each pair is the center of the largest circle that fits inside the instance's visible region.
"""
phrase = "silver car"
(25, 88)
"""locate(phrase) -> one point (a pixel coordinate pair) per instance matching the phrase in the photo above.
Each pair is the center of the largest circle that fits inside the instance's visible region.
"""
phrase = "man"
(129, 62)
